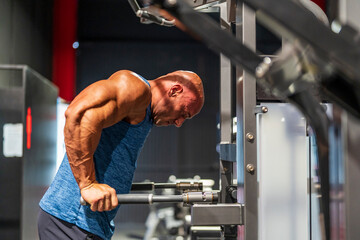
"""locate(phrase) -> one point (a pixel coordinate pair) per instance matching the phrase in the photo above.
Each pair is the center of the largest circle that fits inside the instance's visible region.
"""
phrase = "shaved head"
(191, 81)
(176, 96)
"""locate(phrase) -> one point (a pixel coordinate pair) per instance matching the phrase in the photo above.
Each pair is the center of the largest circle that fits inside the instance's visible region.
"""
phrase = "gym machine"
(312, 57)
(28, 147)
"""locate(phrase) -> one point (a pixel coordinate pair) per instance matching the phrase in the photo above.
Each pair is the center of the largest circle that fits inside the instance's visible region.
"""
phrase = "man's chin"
(161, 123)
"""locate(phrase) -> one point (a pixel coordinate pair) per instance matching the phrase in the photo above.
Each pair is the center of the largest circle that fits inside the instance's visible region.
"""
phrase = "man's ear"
(175, 90)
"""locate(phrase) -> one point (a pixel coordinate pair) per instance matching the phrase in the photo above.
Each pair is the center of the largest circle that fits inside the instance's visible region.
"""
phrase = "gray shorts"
(50, 227)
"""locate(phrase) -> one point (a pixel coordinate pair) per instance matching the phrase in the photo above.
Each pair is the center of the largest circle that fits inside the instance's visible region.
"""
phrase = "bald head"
(176, 96)
(189, 80)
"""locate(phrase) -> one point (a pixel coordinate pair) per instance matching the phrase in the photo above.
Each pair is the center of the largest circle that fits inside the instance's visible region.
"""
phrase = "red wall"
(64, 35)
(321, 3)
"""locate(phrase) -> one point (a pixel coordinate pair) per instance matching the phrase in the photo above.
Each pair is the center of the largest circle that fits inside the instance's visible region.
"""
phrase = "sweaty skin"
(122, 97)
(174, 98)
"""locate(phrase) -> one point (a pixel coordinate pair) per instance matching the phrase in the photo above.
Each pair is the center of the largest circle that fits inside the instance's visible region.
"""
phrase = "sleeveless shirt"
(115, 162)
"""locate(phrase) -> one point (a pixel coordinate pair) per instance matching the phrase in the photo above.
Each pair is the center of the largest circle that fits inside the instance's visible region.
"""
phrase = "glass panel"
(282, 173)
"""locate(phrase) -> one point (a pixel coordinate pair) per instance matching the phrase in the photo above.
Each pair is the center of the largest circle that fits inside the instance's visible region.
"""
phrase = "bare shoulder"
(131, 88)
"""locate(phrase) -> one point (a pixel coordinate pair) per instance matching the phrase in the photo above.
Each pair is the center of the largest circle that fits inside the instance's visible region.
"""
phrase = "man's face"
(175, 110)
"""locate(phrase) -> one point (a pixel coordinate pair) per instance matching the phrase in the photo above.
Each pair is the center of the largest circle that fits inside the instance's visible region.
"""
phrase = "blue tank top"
(115, 163)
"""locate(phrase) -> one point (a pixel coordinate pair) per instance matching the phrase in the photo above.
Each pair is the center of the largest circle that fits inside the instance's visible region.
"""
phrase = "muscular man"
(106, 127)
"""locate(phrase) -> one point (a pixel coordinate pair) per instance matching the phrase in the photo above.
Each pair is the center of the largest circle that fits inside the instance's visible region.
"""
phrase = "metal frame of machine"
(311, 56)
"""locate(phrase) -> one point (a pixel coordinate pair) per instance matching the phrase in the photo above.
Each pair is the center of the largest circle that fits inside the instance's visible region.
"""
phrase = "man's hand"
(101, 197)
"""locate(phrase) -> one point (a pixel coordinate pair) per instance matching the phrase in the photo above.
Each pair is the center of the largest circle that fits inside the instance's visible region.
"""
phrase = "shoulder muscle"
(131, 90)
(121, 95)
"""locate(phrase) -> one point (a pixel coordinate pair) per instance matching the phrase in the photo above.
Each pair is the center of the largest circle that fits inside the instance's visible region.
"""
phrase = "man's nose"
(179, 122)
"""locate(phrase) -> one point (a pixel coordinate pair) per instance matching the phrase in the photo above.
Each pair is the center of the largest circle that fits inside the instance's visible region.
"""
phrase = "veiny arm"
(122, 97)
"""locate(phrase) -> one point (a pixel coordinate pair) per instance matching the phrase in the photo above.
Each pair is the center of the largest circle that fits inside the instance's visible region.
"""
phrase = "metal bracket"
(228, 152)
(147, 17)
(215, 215)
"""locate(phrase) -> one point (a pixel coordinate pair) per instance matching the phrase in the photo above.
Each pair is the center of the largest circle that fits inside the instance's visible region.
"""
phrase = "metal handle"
(147, 17)
(181, 186)
(190, 197)
(142, 199)
(151, 18)
(83, 202)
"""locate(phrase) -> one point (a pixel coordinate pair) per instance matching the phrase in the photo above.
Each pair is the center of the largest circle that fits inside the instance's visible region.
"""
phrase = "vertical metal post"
(351, 137)
(349, 12)
(246, 123)
(227, 169)
(226, 166)
(225, 88)
(350, 127)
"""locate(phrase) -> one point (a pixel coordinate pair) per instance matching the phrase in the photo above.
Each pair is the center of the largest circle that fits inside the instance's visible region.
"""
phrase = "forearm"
(82, 168)
(81, 142)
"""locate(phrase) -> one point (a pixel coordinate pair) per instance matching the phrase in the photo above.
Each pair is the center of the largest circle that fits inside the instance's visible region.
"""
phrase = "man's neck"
(158, 89)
